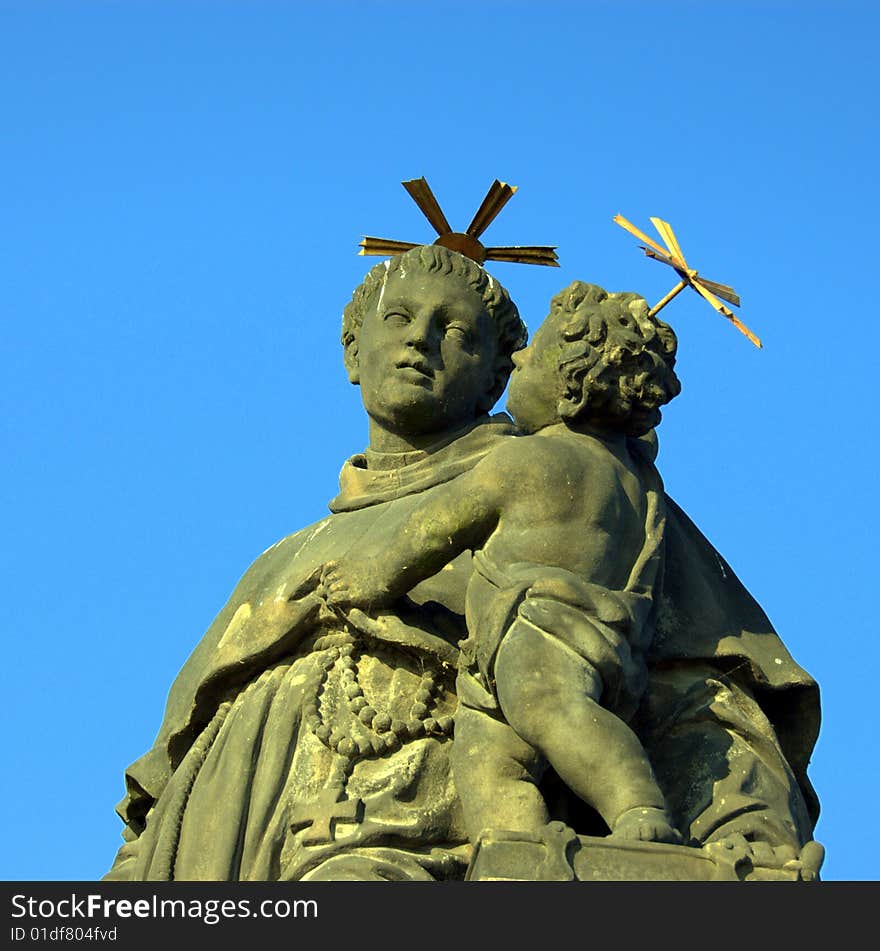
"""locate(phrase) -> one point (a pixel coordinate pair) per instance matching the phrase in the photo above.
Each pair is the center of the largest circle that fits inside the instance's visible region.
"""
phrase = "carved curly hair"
(617, 364)
(431, 258)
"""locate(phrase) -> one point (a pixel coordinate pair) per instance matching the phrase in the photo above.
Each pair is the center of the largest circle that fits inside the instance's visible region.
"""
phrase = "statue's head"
(598, 358)
(428, 337)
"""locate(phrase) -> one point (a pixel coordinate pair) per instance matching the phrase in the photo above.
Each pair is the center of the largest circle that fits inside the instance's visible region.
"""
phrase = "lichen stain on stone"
(239, 619)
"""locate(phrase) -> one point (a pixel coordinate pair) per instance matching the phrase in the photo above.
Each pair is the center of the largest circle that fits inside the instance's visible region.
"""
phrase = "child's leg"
(495, 775)
(549, 694)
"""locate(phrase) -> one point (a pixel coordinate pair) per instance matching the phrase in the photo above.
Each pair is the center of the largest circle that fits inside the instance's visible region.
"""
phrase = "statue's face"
(426, 354)
(533, 394)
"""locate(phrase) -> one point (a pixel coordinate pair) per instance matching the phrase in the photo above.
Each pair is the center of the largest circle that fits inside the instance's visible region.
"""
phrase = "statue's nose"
(422, 334)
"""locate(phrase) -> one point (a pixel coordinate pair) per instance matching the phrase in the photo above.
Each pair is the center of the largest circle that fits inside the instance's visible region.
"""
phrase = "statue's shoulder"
(570, 456)
(294, 557)
(289, 546)
(544, 468)
(267, 574)
(267, 563)
(545, 454)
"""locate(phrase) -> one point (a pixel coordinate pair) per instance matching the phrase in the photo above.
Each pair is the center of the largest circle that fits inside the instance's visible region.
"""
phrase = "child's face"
(534, 385)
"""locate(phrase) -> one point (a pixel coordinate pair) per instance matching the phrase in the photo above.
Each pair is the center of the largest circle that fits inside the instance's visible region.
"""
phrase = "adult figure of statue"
(300, 746)
(265, 766)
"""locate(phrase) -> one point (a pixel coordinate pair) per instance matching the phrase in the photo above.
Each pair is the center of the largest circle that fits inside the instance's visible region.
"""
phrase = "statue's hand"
(298, 589)
(350, 583)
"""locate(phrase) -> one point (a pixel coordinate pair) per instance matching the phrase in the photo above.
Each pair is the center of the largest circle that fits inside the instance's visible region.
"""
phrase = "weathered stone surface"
(557, 854)
(506, 653)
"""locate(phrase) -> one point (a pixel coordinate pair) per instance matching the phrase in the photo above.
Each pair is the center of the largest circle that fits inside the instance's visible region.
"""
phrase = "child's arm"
(456, 516)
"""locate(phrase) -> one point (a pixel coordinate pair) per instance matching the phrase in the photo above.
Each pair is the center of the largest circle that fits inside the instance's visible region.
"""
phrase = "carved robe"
(295, 748)
(240, 786)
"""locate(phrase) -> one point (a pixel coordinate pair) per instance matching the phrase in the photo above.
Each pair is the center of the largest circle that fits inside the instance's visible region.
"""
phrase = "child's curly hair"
(617, 364)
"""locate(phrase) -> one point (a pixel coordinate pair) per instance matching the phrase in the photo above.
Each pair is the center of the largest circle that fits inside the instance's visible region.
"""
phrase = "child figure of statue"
(566, 523)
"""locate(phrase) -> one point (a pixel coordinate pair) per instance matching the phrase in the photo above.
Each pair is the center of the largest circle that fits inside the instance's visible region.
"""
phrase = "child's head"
(598, 358)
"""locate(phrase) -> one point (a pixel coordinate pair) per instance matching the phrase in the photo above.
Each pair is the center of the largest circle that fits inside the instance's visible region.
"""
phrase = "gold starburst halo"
(672, 256)
(465, 242)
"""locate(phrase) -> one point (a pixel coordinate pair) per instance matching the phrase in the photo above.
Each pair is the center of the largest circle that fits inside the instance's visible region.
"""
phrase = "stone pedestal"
(558, 854)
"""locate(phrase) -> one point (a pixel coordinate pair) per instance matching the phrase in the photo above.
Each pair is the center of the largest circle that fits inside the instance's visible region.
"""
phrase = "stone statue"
(506, 654)
(568, 516)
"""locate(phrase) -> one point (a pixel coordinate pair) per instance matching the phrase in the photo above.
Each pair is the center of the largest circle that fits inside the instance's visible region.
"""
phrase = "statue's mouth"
(417, 370)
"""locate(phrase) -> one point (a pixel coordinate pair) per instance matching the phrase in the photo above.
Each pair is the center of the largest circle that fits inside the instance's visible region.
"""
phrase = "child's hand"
(350, 583)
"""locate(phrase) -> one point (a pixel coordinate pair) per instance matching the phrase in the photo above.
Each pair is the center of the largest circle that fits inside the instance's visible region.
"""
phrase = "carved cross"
(320, 814)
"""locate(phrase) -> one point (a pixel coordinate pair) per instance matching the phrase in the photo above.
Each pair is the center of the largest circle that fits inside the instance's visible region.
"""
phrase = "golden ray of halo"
(422, 195)
(497, 197)
(524, 255)
(384, 246)
(729, 314)
(633, 230)
(665, 231)
(721, 290)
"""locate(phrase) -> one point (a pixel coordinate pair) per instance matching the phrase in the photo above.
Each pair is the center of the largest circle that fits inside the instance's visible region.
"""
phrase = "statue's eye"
(397, 318)
(459, 332)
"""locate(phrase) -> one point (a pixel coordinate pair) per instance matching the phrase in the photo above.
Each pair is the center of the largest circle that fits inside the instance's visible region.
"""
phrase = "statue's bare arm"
(454, 517)
(458, 516)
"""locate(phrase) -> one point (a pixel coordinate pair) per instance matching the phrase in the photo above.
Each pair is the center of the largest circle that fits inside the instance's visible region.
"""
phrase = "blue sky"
(184, 186)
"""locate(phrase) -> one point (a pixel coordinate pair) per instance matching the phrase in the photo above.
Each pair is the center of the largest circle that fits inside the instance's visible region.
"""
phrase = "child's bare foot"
(646, 824)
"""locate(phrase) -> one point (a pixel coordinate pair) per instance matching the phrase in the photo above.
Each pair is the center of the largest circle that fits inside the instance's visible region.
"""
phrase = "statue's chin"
(421, 417)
